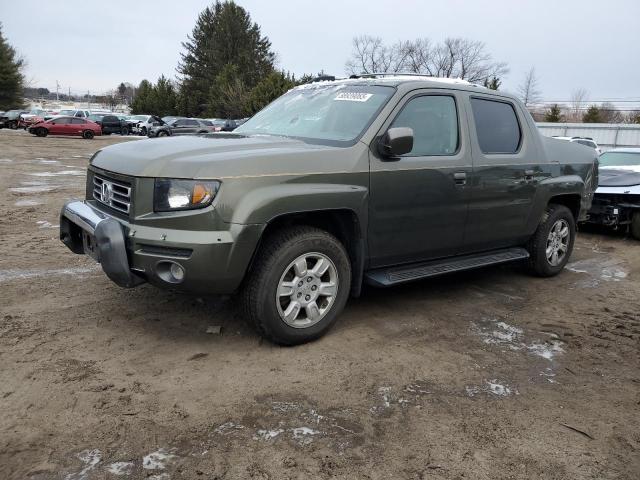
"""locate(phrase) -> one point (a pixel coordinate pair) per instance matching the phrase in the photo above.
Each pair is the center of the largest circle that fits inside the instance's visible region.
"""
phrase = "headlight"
(172, 195)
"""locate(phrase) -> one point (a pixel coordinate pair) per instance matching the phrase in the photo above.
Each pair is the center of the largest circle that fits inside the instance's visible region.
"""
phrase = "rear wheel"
(298, 286)
(41, 132)
(551, 245)
(13, 125)
(87, 134)
(635, 225)
(143, 131)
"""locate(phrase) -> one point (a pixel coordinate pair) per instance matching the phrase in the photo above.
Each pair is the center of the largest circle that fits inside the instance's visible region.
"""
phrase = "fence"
(607, 135)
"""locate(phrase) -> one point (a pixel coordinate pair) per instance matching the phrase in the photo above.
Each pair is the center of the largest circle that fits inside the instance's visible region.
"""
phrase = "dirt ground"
(486, 375)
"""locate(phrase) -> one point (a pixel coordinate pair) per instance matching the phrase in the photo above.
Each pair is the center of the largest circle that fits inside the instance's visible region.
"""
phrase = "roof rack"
(458, 81)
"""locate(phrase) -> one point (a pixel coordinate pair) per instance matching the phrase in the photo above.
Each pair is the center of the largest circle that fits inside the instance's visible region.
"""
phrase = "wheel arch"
(343, 223)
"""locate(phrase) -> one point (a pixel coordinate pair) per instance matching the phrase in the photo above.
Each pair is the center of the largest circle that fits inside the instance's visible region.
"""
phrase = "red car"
(66, 126)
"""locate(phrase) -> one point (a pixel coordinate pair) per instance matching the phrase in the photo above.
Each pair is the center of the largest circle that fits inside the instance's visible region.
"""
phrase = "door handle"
(460, 178)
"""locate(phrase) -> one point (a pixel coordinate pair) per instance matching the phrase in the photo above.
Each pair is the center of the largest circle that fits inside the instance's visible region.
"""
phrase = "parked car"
(380, 180)
(32, 117)
(73, 113)
(143, 123)
(586, 141)
(170, 119)
(222, 125)
(110, 123)
(616, 202)
(11, 119)
(66, 126)
(181, 126)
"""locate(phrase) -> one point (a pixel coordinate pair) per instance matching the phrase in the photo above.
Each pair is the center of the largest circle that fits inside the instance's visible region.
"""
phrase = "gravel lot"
(492, 374)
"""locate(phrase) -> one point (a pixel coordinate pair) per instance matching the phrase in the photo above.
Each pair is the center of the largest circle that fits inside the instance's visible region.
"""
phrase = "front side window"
(61, 121)
(191, 123)
(334, 114)
(434, 121)
(496, 125)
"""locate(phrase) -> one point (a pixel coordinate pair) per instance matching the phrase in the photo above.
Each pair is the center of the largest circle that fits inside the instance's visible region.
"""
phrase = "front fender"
(263, 204)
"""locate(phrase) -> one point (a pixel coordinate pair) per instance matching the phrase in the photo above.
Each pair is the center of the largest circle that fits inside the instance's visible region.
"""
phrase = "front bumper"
(130, 254)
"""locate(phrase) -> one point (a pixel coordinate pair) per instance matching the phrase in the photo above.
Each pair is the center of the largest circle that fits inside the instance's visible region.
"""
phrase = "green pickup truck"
(377, 179)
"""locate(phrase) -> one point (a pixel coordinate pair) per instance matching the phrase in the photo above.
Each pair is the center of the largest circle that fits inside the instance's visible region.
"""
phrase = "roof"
(625, 150)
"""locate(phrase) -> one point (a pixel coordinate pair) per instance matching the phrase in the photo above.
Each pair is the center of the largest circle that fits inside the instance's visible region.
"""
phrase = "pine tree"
(11, 78)
(223, 35)
(268, 89)
(142, 101)
(593, 115)
(163, 98)
(554, 114)
(229, 94)
(493, 83)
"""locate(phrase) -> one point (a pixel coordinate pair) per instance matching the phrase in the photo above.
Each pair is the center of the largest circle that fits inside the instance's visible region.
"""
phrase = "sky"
(93, 46)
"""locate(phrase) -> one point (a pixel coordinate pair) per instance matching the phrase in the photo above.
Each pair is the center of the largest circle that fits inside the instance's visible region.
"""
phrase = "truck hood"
(625, 176)
(220, 155)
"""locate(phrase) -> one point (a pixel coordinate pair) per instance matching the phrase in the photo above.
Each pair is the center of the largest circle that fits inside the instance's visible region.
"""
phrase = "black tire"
(143, 131)
(124, 131)
(13, 125)
(635, 225)
(42, 132)
(163, 133)
(259, 295)
(87, 134)
(538, 263)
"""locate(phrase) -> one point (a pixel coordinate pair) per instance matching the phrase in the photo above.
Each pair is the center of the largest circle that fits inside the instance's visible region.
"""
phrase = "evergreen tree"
(493, 83)
(593, 115)
(553, 115)
(142, 101)
(268, 89)
(223, 35)
(229, 94)
(11, 78)
(163, 98)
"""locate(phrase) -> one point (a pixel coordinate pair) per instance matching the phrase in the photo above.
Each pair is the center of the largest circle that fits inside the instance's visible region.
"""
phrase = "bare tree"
(528, 91)
(454, 58)
(371, 55)
(610, 114)
(577, 100)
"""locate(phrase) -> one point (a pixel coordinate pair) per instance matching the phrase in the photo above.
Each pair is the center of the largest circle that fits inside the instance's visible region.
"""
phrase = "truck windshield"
(619, 159)
(325, 114)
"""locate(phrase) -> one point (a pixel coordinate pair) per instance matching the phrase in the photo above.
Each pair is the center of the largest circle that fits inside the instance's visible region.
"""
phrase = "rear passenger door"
(506, 171)
(418, 202)
(76, 126)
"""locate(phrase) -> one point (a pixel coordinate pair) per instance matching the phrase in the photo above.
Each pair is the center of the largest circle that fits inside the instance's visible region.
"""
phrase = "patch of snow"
(57, 174)
(17, 274)
(304, 435)
(45, 224)
(6, 160)
(227, 428)
(267, 435)
(285, 407)
(493, 387)
(158, 460)
(498, 389)
(546, 350)
(90, 458)
(44, 161)
(34, 189)
(120, 468)
(27, 203)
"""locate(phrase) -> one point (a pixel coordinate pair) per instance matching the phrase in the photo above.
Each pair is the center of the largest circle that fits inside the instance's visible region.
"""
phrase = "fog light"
(170, 272)
(177, 272)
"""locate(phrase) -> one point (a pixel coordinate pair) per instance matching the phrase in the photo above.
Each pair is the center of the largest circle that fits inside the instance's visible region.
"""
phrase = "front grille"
(114, 194)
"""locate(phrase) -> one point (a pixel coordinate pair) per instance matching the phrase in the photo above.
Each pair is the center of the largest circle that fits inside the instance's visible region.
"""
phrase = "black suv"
(181, 126)
(111, 124)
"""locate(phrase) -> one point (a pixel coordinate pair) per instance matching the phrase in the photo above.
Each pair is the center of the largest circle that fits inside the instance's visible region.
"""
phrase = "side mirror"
(397, 141)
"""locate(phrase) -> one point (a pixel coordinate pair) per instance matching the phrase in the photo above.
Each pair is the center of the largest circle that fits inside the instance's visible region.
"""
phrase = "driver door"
(418, 204)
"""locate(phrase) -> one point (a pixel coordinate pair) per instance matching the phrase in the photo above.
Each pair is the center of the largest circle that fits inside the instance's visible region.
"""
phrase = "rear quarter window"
(496, 125)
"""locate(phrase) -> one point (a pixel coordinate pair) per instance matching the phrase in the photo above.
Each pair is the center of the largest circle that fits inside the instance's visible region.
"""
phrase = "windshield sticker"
(354, 96)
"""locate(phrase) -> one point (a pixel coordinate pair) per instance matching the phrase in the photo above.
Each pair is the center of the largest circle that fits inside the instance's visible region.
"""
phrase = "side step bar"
(386, 277)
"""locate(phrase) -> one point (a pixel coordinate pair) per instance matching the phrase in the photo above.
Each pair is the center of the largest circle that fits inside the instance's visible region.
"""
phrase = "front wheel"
(162, 133)
(13, 125)
(551, 245)
(124, 131)
(87, 134)
(298, 286)
(41, 132)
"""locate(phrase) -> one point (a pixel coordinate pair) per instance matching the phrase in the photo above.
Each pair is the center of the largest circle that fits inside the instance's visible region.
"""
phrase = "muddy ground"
(487, 375)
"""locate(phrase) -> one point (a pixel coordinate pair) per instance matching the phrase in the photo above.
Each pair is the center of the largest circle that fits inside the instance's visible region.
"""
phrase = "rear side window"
(77, 121)
(496, 125)
(191, 123)
(434, 121)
